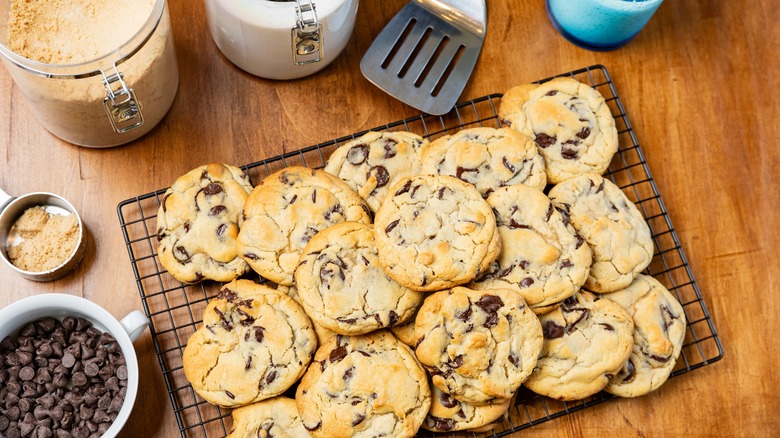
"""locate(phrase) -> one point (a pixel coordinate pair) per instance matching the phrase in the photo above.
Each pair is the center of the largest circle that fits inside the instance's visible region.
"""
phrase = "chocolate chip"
(490, 303)
(404, 189)
(630, 371)
(79, 379)
(465, 315)
(607, 327)
(226, 323)
(667, 316)
(447, 401)
(552, 330)
(180, 253)
(513, 225)
(101, 417)
(25, 404)
(390, 149)
(113, 384)
(456, 361)
(217, 210)
(69, 323)
(13, 359)
(27, 373)
(552, 93)
(566, 264)
(527, 281)
(116, 405)
(359, 419)
(308, 234)
(348, 373)
(584, 313)
(657, 358)
(212, 189)
(121, 373)
(381, 175)
(544, 140)
(357, 154)
(334, 210)
(337, 354)
(26, 427)
(569, 154)
(91, 369)
(509, 165)
(584, 133)
(461, 170)
(391, 225)
(442, 424)
(392, 318)
(81, 432)
(28, 329)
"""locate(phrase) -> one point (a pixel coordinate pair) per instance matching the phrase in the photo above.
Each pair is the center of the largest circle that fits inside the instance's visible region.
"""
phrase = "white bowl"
(26, 310)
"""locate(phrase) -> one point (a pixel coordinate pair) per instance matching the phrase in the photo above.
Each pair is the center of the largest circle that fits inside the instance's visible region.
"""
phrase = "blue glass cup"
(600, 24)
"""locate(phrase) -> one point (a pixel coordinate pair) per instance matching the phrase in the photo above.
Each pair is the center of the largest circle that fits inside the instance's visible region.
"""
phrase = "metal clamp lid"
(120, 103)
(307, 37)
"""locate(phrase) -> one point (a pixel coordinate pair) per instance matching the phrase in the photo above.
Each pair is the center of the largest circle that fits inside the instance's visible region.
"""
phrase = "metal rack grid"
(175, 310)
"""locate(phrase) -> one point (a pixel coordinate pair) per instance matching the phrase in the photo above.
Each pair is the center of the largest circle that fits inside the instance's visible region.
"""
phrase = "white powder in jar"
(68, 32)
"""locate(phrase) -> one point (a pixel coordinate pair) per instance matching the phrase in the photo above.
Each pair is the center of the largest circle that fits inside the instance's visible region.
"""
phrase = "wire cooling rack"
(175, 310)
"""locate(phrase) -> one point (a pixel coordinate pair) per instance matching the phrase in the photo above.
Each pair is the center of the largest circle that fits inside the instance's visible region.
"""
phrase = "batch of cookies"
(416, 284)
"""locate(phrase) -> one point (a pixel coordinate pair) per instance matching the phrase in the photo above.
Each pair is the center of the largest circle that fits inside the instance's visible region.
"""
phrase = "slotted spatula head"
(426, 53)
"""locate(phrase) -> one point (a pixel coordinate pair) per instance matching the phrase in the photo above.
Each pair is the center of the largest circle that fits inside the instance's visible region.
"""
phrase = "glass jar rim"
(95, 66)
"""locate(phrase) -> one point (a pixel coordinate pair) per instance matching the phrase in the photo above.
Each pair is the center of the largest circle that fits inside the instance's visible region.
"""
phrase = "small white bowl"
(125, 331)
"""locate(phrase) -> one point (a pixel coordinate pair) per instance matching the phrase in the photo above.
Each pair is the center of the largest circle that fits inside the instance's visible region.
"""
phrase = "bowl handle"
(5, 199)
(134, 324)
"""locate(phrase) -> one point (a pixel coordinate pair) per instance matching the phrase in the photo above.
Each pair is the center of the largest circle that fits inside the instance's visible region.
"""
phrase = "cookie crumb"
(47, 240)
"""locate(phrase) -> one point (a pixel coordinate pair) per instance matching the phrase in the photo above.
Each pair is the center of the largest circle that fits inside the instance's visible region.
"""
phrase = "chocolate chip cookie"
(254, 344)
(449, 415)
(343, 287)
(659, 332)
(587, 340)
(435, 232)
(373, 163)
(198, 221)
(612, 226)
(274, 417)
(477, 345)
(364, 386)
(489, 158)
(546, 261)
(285, 211)
(569, 121)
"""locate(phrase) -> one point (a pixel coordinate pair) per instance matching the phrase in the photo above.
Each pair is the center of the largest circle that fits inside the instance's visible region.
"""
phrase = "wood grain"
(700, 84)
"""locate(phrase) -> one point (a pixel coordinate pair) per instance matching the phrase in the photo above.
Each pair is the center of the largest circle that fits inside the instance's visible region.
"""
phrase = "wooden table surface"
(699, 83)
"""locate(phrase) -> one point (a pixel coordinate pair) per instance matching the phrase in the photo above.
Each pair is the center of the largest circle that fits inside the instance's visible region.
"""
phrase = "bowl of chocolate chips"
(67, 368)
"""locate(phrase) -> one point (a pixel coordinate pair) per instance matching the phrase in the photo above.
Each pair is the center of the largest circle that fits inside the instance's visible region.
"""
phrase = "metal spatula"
(425, 54)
